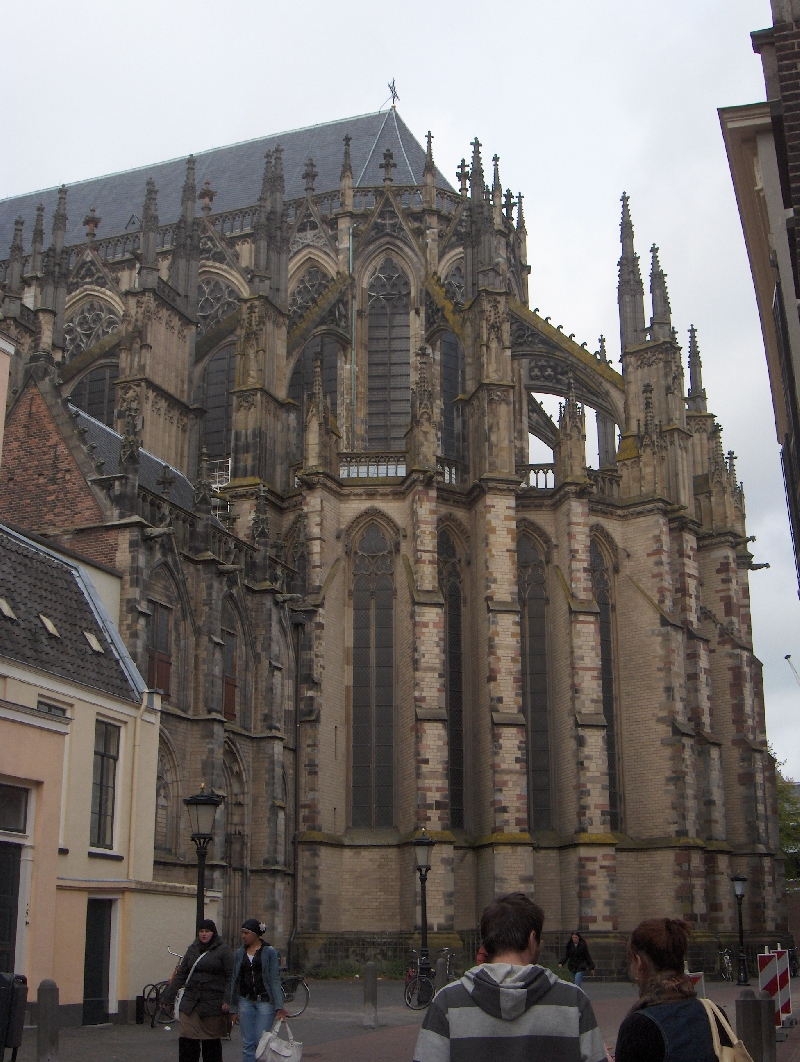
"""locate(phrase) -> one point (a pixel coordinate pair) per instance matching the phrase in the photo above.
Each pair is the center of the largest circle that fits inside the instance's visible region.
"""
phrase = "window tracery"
(450, 585)
(88, 325)
(531, 582)
(372, 790)
(602, 585)
(305, 293)
(215, 300)
(167, 814)
(389, 357)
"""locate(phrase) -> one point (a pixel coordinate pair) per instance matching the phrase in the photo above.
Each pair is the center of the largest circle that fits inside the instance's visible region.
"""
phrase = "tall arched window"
(94, 394)
(167, 806)
(450, 585)
(373, 681)
(230, 663)
(216, 397)
(601, 581)
(533, 622)
(453, 385)
(389, 358)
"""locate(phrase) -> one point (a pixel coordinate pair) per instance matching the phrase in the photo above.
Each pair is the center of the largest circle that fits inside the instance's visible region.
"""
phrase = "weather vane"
(393, 90)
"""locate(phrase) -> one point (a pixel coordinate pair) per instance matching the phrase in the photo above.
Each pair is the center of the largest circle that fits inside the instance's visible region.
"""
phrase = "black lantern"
(738, 882)
(202, 808)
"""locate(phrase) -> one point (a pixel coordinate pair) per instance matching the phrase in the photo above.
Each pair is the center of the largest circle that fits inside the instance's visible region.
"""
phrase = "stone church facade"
(290, 397)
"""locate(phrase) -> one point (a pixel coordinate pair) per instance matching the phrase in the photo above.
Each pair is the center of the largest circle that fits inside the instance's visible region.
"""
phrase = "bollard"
(47, 1022)
(370, 995)
(140, 1010)
(755, 1025)
(768, 1031)
(441, 973)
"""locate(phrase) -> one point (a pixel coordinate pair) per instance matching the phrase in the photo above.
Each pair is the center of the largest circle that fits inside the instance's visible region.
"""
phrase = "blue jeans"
(254, 1019)
(577, 977)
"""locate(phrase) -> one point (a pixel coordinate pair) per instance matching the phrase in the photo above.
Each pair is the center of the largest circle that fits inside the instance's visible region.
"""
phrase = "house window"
(229, 675)
(373, 682)
(159, 658)
(389, 358)
(106, 754)
(601, 580)
(13, 808)
(533, 623)
(450, 585)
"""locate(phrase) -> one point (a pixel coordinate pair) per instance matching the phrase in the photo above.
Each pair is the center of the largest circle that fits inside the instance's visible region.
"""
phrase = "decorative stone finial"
(206, 197)
(310, 174)
(387, 166)
(462, 174)
(91, 221)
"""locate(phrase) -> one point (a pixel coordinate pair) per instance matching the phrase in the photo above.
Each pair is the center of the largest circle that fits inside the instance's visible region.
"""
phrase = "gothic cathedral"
(287, 390)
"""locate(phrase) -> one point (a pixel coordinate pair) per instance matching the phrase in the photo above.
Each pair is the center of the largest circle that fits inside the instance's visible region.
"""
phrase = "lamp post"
(423, 845)
(738, 882)
(202, 808)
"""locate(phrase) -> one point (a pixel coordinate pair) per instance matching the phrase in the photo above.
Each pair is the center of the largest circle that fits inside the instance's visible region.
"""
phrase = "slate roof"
(235, 173)
(107, 446)
(34, 580)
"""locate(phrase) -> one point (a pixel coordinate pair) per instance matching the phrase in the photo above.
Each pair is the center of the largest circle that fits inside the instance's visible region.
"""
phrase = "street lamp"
(738, 882)
(423, 845)
(202, 808)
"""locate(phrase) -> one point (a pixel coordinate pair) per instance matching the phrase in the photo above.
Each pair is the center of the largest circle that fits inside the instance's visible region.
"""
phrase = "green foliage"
(788, 820)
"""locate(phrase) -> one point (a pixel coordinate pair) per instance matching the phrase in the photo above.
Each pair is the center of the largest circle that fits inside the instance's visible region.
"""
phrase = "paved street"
(331, 1028)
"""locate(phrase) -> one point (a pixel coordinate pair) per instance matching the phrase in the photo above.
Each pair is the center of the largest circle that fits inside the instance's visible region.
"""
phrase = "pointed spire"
(697, 395)
(462, 175)
(60, 221)
(476, 181)
(38, 240)
(661, 321)
(508, 205)
(601, 353)
(520, 215)
(630, 290)
(14, 273)
(347, 166)
(496, 185)
(310, 174)
(189, 193)
(278, 183)
(429, 166)
(266, 180)
(148, 270)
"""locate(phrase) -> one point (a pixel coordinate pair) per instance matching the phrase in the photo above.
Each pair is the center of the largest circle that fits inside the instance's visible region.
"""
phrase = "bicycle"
(450, 974)
(420, 985)
(725, 965)
(296, 994)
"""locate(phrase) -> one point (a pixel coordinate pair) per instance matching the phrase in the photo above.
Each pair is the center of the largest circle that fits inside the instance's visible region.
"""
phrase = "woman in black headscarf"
(204, 974)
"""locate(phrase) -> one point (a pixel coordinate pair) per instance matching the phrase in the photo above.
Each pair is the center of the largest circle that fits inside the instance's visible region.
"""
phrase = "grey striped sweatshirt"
(501, 1013)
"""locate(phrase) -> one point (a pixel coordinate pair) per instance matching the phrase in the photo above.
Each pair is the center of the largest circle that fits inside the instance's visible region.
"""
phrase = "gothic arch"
(168, 792)
(607, 544)
(538, 534)
(372, 514)
(601, 571)
(235, 832)
(308, 259)
(89, 292)
(93, 389)
(218, 293)
(168, 633)
(371, 263)
(459, 531)
(91, 318)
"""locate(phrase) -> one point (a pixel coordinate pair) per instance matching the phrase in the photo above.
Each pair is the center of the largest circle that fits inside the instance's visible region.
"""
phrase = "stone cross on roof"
(387, 166)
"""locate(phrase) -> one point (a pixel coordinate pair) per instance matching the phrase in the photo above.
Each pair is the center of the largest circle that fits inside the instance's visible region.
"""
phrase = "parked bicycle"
(421, 981)
(725, 965)
(296, 994)
(152, 997)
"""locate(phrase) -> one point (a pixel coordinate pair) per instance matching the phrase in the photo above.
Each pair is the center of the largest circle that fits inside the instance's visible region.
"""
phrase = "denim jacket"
(270, 970)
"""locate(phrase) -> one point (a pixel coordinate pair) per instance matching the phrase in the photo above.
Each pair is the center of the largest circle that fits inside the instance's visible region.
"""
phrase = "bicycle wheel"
(157, 1015)
(419, 992)
(295, 996)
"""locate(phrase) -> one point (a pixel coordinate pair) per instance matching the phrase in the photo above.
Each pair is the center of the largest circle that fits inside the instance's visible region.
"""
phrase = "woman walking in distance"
(256, 997)
(204, 975)
(577, 958)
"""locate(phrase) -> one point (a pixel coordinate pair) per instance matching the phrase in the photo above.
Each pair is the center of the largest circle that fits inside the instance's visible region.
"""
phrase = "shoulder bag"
(273, 1048)
(737, 1053)
(179, 993)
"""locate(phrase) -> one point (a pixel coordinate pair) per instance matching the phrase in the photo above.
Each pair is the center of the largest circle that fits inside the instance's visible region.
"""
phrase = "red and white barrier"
(773, 978)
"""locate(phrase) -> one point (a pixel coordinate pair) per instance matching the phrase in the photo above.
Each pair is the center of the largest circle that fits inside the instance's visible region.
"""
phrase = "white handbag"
(273, 1048)
(737, 1053)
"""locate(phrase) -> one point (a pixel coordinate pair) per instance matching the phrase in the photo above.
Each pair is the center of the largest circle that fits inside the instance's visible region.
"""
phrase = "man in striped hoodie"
(509, 1009)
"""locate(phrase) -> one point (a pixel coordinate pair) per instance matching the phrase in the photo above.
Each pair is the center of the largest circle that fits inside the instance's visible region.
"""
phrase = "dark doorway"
(96, 962)
(9, 898)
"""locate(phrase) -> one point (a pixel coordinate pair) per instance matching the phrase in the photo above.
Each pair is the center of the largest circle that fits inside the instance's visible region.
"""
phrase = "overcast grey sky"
(581, 101)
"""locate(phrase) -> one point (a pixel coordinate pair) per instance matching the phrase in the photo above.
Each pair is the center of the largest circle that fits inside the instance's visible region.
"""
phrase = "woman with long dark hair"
(668, 1022)
(204, 975)
(577, 958)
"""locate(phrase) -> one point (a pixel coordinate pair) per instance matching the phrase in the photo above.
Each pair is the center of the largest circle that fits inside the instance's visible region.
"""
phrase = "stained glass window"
(601, 580)
(216, 397)
(94, 394)
(450, 585)
(389, 358)
(373, 681)
(533, 622)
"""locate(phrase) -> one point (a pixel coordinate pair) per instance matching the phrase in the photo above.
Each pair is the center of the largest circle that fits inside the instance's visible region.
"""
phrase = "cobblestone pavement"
(332, 1028)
